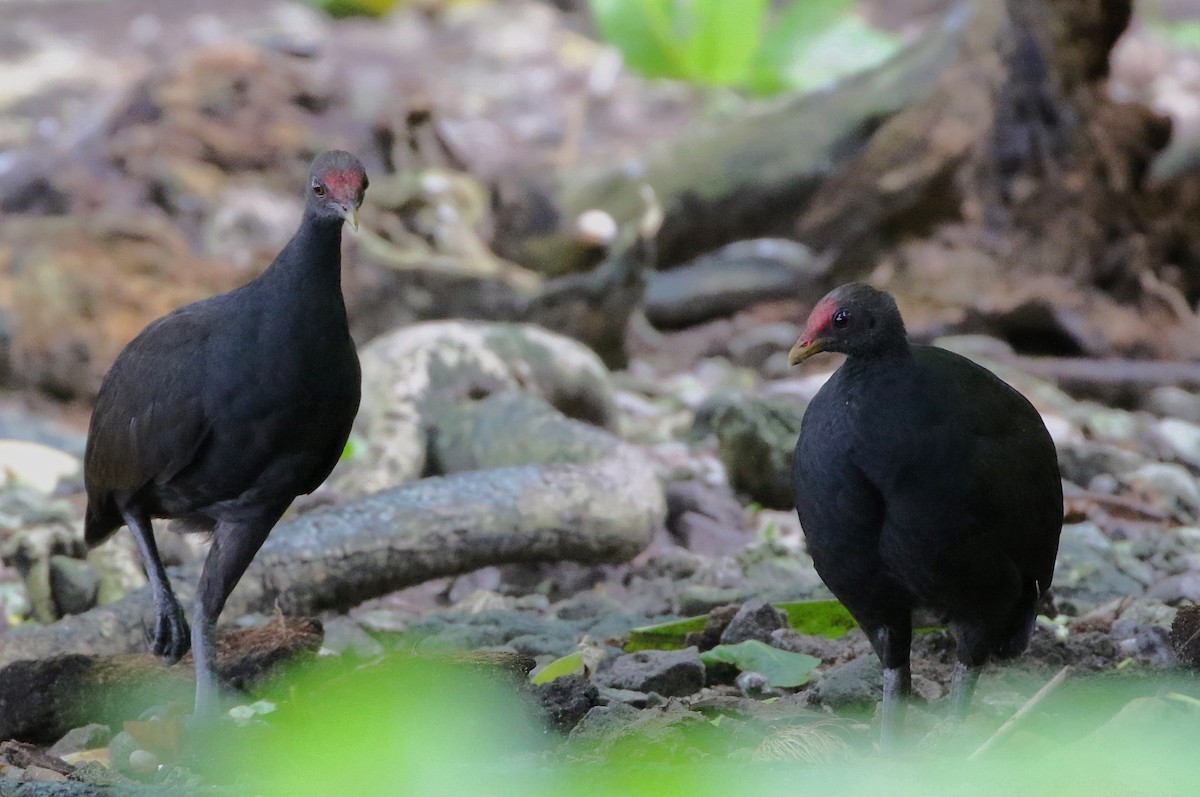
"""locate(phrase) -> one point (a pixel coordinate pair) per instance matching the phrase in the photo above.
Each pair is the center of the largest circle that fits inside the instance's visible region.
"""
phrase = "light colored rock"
(35, 465)
(1181, 438)
(413, 373)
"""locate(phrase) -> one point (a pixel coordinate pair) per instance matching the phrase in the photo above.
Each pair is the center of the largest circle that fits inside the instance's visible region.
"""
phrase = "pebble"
(143, 761)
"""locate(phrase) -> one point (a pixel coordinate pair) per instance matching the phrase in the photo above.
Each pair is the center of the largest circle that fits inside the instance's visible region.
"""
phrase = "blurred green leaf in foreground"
(426, 729)
(743, 43)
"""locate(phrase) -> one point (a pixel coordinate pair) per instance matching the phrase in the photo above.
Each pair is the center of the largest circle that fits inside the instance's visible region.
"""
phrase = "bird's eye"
(318, 189)
(841, 319)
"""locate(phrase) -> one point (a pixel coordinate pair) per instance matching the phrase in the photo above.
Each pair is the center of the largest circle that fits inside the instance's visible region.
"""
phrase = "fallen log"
(597, 499)
(41, 699)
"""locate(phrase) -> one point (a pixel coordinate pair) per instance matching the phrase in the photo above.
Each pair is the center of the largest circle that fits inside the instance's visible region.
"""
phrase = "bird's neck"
(312, 260)
(897, 354)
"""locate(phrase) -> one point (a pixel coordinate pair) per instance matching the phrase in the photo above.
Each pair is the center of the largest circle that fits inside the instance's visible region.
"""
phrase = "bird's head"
(853, 319)
(336, 184)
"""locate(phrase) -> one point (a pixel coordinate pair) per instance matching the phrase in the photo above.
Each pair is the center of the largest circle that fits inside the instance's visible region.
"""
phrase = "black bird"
(220, 413)
(923, 481)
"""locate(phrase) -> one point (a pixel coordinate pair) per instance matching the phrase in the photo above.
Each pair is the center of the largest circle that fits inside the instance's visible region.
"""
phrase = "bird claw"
(171, 638)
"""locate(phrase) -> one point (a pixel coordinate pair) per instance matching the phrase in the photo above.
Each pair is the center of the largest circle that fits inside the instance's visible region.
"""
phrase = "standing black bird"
(220, 413)
(923, 481)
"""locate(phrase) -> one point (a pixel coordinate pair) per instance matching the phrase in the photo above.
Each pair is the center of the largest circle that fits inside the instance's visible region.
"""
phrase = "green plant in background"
(742, 43)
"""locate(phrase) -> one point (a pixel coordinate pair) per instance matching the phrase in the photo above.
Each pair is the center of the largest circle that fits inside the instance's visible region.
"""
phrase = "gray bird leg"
(234, 546)
(170, 637)
(892, 645)
(897, 684)
(962, 688)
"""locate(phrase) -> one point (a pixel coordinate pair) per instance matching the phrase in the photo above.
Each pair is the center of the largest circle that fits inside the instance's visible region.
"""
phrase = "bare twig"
(1008, 727)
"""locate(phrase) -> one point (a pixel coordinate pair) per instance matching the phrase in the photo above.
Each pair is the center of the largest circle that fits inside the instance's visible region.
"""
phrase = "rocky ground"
(708, 414)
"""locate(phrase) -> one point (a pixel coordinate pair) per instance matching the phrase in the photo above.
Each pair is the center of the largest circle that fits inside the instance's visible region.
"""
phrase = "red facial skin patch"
(343, 184)
(819, 319)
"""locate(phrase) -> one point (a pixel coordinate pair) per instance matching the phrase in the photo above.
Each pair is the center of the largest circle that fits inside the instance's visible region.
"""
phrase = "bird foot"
(171, 638)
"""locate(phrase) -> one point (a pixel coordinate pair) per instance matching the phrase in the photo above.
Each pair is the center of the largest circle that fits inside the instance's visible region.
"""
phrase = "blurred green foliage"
(339, 9)
(743, 44)
(425, 729)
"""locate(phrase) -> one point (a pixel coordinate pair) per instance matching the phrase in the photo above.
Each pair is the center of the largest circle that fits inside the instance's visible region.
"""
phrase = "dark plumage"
(220, 413)
(923, 481)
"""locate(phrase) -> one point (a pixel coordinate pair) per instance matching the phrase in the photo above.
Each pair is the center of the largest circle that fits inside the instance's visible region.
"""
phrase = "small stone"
(143, 761)
(343, 637)
(94, 773)
(757, 620)
(754, 685)
(755, 437)
(1181, 438)
(35, 465)
(119, 751)
(1173, 486)
(74, 585)
(43, 774)
(755, 346)
(566, 700)
(1169, 401)
(675, 673)
(608, 695)
(77, 740)
(855, 684)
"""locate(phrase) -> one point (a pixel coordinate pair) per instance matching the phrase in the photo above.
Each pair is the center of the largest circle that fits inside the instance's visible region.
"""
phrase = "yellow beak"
(350, 214)
(803, 350)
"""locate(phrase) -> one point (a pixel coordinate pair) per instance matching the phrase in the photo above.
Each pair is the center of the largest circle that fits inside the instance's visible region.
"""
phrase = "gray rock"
(755, 685)
(414, 373)
(1173, 484)
(345, 637)
(603, 721)
(608, 695)
(585, 605)
(566, 700)
(1169, 401)
(77, 740)
(755, 437)
(1142, 631)
(756, 619)
(1092, 570)
(1082, 461)
(857, 684)
(673, 673)
(755, 346)
(704, 520)
(120, 749)
(1176, 588)
(74, 585)
(553, 644)
(1180, 438)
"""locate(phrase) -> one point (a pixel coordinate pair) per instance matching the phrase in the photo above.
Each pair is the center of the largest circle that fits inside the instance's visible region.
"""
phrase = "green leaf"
(664, 636)
(641, 30)
(723, 38)
(570, 664)
(705, 41)
(354, 449)
(828, 618)
(848, 46)
(788, 35)
(781, 668)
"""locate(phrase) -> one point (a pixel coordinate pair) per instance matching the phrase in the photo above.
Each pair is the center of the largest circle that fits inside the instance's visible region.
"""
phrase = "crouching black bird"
(220, 413)
(923, 481)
